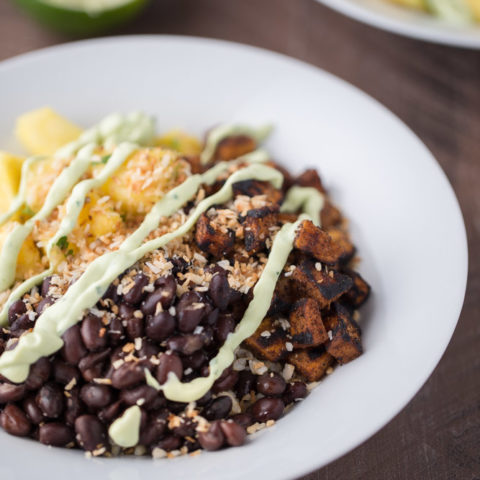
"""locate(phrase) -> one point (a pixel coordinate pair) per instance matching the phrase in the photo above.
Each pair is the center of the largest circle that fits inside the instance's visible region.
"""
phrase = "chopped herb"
(103, 160)
(70, 253)
(62, 243)
(27, 211)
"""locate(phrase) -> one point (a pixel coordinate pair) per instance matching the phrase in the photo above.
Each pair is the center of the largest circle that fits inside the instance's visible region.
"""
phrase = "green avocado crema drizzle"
(45, 338)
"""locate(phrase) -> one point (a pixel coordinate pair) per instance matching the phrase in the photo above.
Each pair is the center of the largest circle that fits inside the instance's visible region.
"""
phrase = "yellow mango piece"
(44, 131)
(144, 179)
(29, 259)
(100, 215)
(180, 141)
(10, 170)
(475, 7)
(419, 4)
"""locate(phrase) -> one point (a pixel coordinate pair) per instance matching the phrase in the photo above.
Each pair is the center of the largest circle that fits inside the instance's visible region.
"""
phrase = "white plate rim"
(294, 469)
(412, 24)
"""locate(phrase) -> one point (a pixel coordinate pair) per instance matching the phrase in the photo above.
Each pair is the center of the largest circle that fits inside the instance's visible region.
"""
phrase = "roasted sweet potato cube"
(330, 215)
(268, 342)
(345, 344)
(284, 217)
(252, 188)
(212, 239)
(359, 292)
(310, 178)
(287, 178)
(342, 240)
(283, 297)
(234, 147)
(325, 287)
(311, 363)
(306, 326)
(257, 227)
(316, 242)
(195, 164)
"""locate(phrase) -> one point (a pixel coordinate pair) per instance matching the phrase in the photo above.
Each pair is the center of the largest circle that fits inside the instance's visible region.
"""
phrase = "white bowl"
(411, 23)
(404, 216)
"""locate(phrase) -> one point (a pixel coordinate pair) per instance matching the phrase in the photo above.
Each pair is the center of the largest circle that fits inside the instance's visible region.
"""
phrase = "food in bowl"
(164, 295)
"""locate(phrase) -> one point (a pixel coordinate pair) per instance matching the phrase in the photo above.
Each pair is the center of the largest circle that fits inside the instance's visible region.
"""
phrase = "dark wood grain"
(436, 91)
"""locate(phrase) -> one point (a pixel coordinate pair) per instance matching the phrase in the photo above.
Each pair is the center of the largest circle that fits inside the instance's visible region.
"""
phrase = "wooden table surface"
(436, 91)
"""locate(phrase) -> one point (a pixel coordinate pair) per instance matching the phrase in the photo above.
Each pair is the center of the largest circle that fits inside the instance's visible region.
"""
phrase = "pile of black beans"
(71, 398)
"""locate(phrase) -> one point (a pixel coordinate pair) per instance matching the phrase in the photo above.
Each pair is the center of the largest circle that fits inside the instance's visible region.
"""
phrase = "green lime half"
(454, 11)
(82, 17)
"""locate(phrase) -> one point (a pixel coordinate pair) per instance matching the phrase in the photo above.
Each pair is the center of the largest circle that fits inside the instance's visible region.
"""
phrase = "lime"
(82, 17)
(454, 11)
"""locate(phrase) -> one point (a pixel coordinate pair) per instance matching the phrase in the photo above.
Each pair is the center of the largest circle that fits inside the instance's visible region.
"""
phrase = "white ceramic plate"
(404, 216)
(410, 23)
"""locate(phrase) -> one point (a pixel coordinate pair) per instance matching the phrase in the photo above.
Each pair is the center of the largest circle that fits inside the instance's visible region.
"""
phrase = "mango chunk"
(10, 170)
(44, 131)
(180, 141)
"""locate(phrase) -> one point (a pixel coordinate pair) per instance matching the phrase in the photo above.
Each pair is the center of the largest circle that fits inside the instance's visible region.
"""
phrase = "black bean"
(43, 304)
(92, 365)
(33, 412)
(39, 374)
(148, 350)
(219, 290)
(115, 331)
(196, 360)
(235, 434)
(14, 421)
(135, 328)
(158, 402)
(187, 428)
(50, 400)
(94, 333)
(135, 295)
(74, 407)
(154, 428)
(21, 324)
(179, 264)
(243, 419)
(96, 396)
(108, 414)
(268, 408)
(218, 408)
(74, 349)
(208, 336)
(226, 381)
(168, 363)
(55, 434)
(16, 309)
(271, 384)
(176, 407)
(202, 401)
(125, 311)
(11, 393)
(213, 438)
(111, 294)
(160, 327)
(91, 433)
(128, 375)
(295, 391)
(190, 311)
(169, 443)
(246, 383)
(64, 373)
(186, 344)
(212, 317)
(166, 289)
(142, 395)
(45, 286)
(225, 325)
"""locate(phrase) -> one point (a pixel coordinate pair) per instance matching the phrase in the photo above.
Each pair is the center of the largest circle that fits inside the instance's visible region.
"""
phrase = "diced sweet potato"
(359, 292)
(324, 287)
(268, 346)
(306, 326)
(257, 227)
(212, 240)
(252, 188)
(316, 242)
(234, 147)
(310, 178)
(345, 344)
(330, 215)
(284, 217)
(287, 178)
(195, 163)
(283, 297)
(342, 240)
(312, 363)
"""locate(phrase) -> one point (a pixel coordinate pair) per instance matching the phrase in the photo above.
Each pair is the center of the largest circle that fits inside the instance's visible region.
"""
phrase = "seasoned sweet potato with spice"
(257, 226)
(268, 342)
(234, 147)
(324, 287)
(212, 239)
(306, 326)
(345, 344)
(252, 188)
(310, 178)
(312, 363)
(359, 292)
(330, 215)
(342, 239)
(318, 243)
